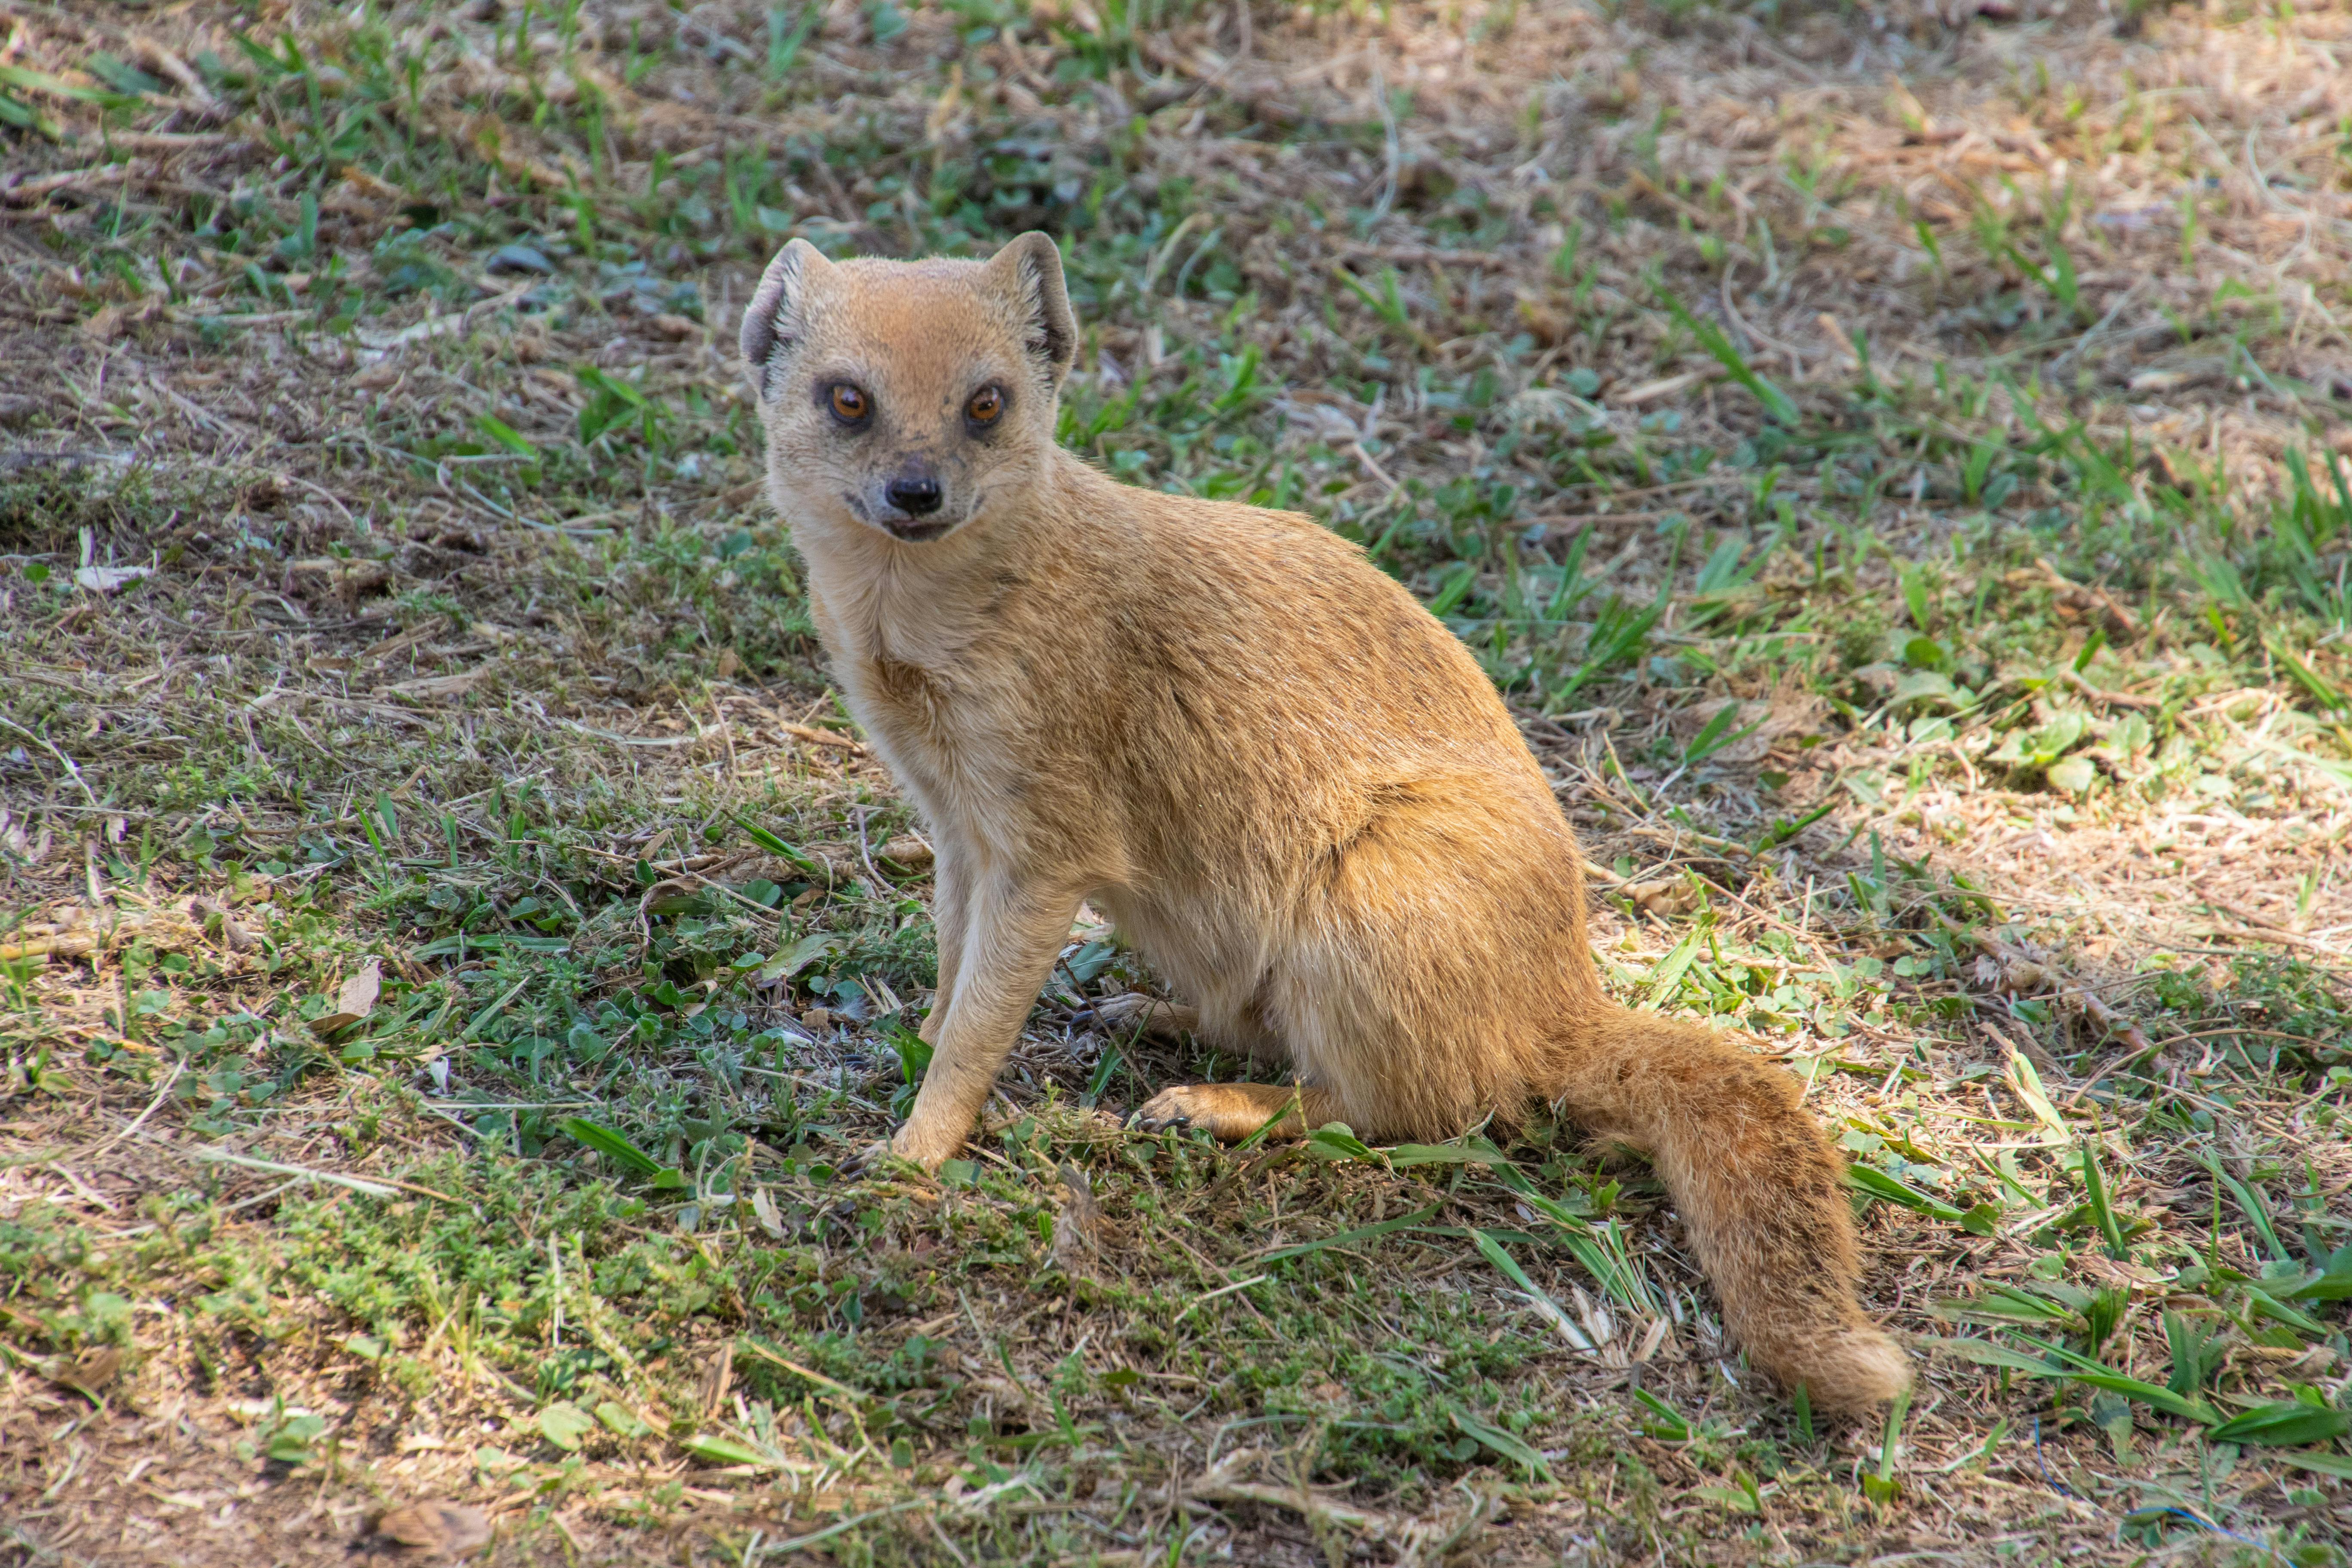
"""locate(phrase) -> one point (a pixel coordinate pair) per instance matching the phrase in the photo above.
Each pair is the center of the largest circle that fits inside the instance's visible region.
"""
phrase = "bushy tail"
(1759, 1188)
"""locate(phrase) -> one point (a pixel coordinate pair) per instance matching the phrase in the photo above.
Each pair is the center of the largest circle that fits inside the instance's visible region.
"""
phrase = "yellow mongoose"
(1279, 775)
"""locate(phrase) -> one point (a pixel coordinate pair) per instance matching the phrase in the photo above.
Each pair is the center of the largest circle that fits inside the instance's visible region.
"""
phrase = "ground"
(1895, 461)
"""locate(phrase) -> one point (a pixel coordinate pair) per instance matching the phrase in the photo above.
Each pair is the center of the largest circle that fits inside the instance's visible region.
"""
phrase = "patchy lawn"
(1895, 461)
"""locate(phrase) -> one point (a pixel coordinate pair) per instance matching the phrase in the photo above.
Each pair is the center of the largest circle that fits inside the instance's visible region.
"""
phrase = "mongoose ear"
(1030, 270)
(773, 320)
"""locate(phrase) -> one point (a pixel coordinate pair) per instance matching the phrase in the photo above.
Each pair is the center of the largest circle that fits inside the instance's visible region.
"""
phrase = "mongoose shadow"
(1285, 779)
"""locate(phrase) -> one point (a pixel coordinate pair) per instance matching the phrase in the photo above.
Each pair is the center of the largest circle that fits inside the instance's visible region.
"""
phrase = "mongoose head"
(908, 398)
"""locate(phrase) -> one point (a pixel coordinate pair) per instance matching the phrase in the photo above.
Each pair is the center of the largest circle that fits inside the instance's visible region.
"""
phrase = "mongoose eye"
(849, 405)
(986, 404)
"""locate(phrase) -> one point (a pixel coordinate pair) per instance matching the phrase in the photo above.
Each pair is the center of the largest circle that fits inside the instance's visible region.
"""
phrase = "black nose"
(916, 498)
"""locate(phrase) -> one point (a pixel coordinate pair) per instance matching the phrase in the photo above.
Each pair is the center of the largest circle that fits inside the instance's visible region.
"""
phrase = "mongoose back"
(1279, 775)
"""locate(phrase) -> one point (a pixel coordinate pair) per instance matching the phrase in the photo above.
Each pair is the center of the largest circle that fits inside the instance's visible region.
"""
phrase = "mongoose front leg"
(1232, 1112)
(1014, 930)
(950, 923)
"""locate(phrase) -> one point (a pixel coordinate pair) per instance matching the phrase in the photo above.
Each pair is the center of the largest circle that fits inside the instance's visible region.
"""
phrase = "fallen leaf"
(354, 1002)
(716, 1379)
(620, 1418)
(435, 1528)
(91, 1371)
(352, 577)
(73, 944)
(908, 851)
(360, 992)
(764, 1209)
(169, 928)
(204, 912)
(440, 685)
(564, 1424)
(1664, 896)
(106, 579)
(1077, 1229)
(1651, 391)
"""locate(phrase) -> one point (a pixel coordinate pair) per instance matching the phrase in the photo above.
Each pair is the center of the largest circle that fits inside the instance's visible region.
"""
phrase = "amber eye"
(848, 403)
(985, 406)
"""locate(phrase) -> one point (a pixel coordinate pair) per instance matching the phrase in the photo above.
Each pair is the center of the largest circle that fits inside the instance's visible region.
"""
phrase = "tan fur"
(1279, 775)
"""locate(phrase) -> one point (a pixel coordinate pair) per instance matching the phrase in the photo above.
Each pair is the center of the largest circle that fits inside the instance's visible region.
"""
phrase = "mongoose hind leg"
(1166, 1022)
(1232, 1112)
(1241, 1032)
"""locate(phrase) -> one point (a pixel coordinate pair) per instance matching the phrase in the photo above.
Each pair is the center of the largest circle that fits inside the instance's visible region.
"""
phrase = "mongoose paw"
(1168, 1111)
(871, 1159)
(922, 1146)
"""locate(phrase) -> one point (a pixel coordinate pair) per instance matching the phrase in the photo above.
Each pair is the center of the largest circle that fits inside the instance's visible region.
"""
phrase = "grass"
(452, 938)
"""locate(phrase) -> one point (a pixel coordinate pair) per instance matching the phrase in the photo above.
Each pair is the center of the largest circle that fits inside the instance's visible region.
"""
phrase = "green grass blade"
(2257, 1213)
(2290, 1424)
(778, 847)
(2098, 1374)
(1469, 1152)
(2078, 1369)
(1666, 1423)
(1879, 1184)
(1337, 1139)
(1711, 338)
(1511, 1447)
(1670, 970)
(2095, 1183)
(1361, 1233)
(609, 1142)
(1508, 1267)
